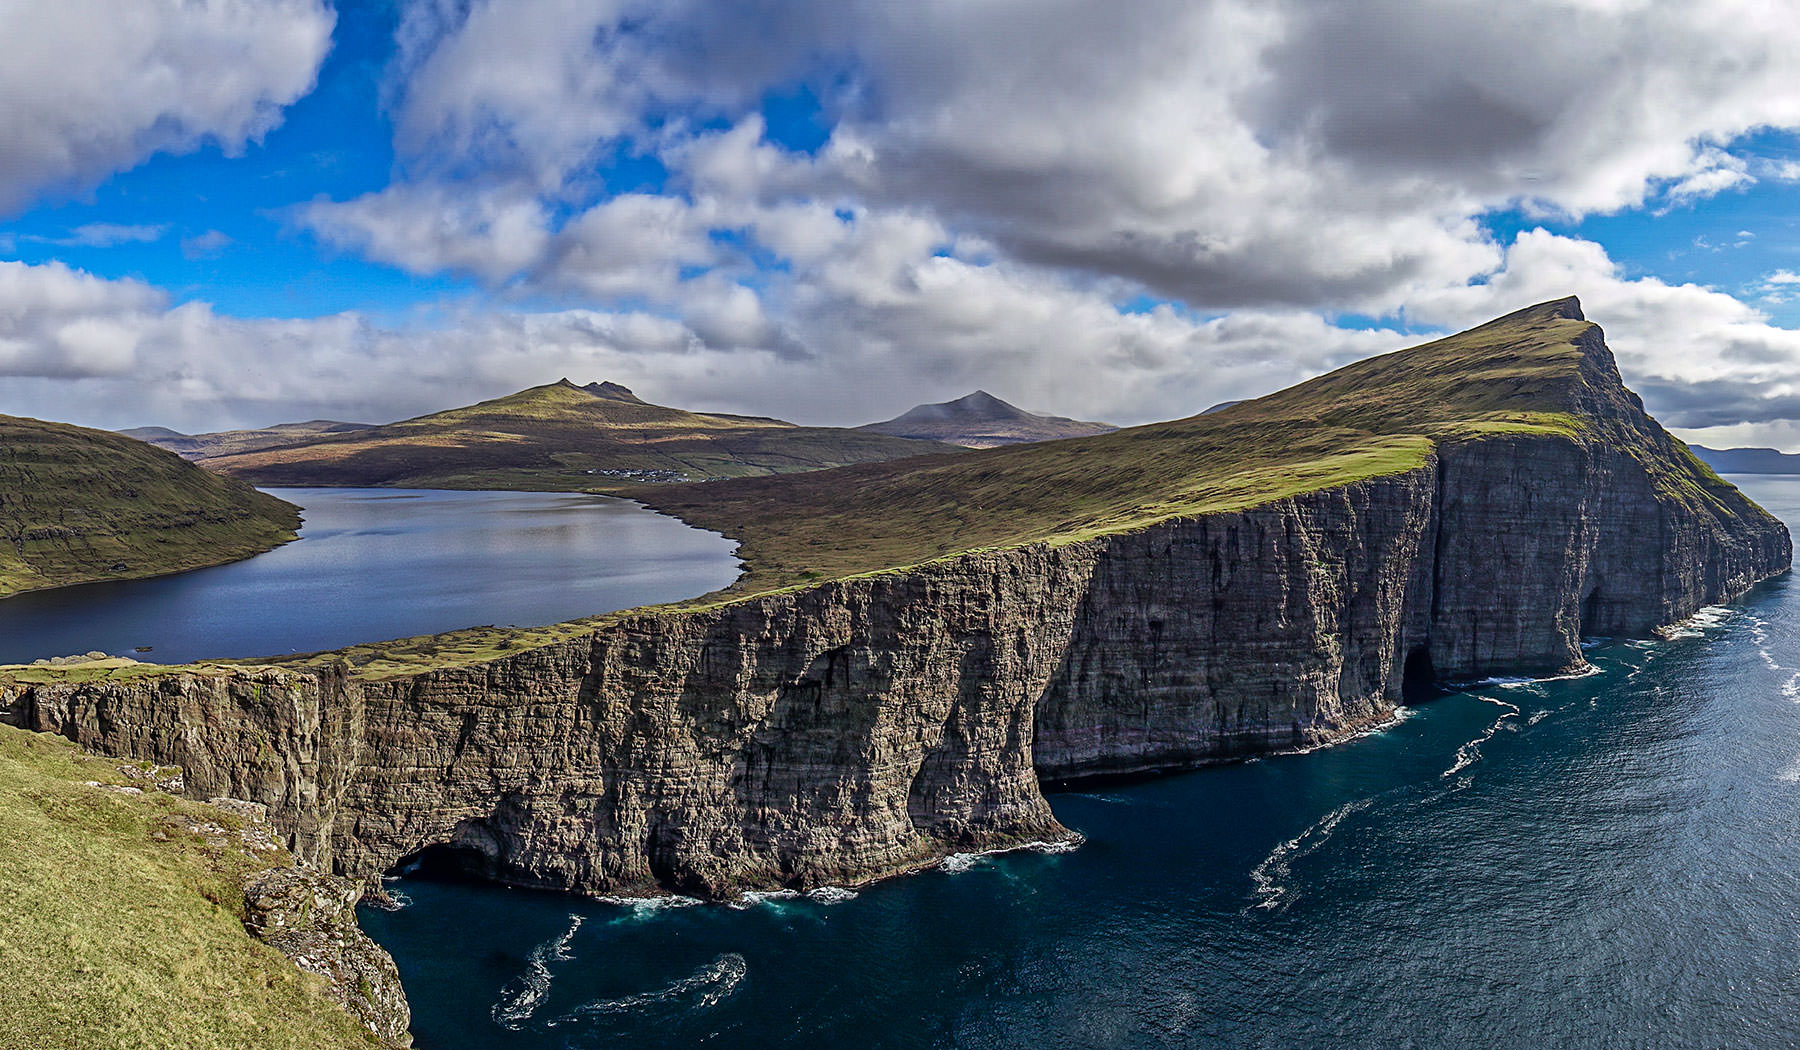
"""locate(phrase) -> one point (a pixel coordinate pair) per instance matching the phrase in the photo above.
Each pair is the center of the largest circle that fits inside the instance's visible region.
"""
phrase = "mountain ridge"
(561, 436)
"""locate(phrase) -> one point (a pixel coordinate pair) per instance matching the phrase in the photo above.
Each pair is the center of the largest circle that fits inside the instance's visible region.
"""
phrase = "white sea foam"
(1470, 753)
(1272, 875)
(956, 863)
(645, 906)
(522, 996)
(1696, 625)
(1400, 715)
(1791, 688)
(704, 988)
(831, 894)
(751, 898)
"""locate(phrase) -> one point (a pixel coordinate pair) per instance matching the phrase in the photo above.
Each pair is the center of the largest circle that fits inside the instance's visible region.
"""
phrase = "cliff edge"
(918, 645)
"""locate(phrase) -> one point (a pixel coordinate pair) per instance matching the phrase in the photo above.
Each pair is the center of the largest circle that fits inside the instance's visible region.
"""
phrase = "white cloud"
(108, 234)
(116, 353)
(93, 87)
(1699, 357)
(1225, 153)
(205, 245)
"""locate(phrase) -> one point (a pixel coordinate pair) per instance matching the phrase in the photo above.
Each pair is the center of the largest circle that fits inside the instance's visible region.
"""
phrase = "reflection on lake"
(372, 564)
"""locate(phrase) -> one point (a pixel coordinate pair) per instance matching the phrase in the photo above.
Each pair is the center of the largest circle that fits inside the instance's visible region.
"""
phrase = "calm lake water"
(372, 564)
(1609, 861)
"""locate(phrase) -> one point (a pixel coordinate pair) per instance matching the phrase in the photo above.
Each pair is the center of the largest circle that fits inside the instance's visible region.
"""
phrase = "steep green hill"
(79, 505)
(122, 926)
(562, 436)
(1528, 372)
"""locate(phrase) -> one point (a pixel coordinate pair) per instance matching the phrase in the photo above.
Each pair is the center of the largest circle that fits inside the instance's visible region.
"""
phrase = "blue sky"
(376, 209)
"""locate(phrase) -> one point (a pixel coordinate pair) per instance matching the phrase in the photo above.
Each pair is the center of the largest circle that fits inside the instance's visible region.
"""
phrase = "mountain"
(230, 442)
(981, 420)
(78, 505)
(1748, 460)
(1537, 374)
(561, 436)
(921, 645)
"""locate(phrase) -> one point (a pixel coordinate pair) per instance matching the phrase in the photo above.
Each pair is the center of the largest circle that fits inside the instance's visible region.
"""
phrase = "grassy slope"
(1375, 417)
(551, 437)
(1521, 374)
(111, 937)
(78, 505)
(230, 442)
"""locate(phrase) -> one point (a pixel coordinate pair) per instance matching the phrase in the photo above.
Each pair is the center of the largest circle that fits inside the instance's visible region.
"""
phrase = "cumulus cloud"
(94, 87)
(119, 353)
(1224, 153)
(1700, 358)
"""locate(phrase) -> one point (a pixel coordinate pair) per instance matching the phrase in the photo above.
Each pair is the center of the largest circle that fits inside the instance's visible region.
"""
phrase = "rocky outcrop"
(870, 725)
(310, 917)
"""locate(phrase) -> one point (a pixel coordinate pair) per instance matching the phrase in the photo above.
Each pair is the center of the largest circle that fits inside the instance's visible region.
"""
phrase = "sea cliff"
(862, 726)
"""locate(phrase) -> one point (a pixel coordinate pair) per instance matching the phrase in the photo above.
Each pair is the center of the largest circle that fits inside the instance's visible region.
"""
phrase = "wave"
(1696, 625)
(957, 863)
(1470, 753)
(522, 996)
(706, 987)
(646, 906)
(1271, 875)
(826, 895)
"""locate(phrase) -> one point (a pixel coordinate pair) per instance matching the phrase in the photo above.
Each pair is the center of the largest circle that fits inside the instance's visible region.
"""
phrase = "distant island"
(981, 420)
(1748, 460)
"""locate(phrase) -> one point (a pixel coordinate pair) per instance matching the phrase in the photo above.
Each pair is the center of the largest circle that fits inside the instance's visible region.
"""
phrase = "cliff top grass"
(122, 926)
(562, 437)
(1519, 375)
(1541, 372)
(79, 505)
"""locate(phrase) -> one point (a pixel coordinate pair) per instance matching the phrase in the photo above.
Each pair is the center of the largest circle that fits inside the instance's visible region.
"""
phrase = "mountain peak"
(612, 392)
(981, 420)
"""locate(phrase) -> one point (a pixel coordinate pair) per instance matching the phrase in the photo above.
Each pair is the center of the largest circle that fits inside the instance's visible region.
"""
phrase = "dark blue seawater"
(386, 563)
(1607, 861)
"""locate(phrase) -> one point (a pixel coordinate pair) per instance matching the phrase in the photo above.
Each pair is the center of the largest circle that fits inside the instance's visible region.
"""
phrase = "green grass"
(78, 505)
(122, 928)
(559, 437)
(1518, 376)
(1537, 373)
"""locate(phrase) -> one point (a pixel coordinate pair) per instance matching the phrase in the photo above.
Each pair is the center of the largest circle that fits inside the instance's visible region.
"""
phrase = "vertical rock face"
(870, 725)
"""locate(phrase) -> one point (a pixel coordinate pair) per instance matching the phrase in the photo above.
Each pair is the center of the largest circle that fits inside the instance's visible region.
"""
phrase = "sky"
(227, 213)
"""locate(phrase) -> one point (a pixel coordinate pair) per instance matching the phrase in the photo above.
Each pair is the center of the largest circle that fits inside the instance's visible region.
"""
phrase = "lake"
(373, 564)
(1604, 861)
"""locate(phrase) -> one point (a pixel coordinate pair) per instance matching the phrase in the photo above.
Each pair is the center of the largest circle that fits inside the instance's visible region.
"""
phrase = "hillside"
(1748, 460)
(981, 420)
(1525, 373)
(230, 442)
(79, 505)
(920, 646)
(562, 436)
(122, 921)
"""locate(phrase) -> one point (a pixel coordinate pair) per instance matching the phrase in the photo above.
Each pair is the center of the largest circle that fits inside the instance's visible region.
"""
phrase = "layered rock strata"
(870, 725)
